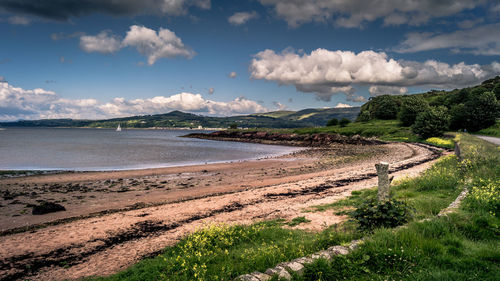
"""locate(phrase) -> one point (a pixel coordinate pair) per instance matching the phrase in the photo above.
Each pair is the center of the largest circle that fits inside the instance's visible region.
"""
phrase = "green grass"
(427, 194)
(386, 130)
(389, 130)
(298, 220)
(461, 246)
(221, 252)
(493, 131)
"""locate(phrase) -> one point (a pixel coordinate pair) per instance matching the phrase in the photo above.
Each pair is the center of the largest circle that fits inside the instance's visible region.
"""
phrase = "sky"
(95, 59)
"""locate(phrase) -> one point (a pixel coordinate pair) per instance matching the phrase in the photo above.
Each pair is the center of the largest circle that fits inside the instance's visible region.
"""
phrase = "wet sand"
(113, 219)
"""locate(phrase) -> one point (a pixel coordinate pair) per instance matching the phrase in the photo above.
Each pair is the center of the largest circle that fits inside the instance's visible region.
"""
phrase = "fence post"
(383, 181)
(458, 152)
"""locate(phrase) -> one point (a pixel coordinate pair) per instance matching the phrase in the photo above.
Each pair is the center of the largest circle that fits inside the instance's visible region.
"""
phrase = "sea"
(82, 149)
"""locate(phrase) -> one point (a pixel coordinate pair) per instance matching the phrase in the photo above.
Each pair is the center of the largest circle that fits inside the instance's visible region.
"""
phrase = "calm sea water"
(101, 149)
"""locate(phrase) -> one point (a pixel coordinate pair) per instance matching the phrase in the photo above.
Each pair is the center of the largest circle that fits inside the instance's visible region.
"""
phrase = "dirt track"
(110, 231)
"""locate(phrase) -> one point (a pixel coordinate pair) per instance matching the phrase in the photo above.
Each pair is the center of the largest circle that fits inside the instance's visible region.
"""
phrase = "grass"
(298, 220)
(223, 252)
(493, 131)
(461, 246)
(426, 195)
(386, 130)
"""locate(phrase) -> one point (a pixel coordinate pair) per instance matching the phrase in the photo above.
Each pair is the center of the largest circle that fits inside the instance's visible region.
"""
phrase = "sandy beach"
(113, 219)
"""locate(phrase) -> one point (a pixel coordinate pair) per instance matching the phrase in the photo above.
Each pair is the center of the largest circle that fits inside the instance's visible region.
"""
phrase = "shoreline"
(114, 219)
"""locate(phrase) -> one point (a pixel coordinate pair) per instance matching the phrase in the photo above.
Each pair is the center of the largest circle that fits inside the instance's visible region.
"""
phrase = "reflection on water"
(101, 149)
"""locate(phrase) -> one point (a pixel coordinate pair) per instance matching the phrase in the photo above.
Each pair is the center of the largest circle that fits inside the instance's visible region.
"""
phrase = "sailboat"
(118, 129)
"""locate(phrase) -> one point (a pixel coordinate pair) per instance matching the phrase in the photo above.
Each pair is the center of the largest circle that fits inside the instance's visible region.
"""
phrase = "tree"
(233, 126)
(410, 108)
(481, 111)
(332, 122)
(385, 107)
(431, 122)
(344, 121)
(458, 115)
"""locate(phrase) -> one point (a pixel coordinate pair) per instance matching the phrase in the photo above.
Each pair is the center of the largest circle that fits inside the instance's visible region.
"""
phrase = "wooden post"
(458, 153)
(383, 181)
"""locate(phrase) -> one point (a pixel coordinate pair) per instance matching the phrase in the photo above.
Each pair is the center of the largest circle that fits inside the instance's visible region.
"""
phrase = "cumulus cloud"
(19, 20)
(481, 40)
(279, 106)
(325, 72)
(387, 90)
(241, 17)
(232, 74)
(104, 43)
(342, 105)
(17, 103)
(2, 79)
(353, 13)
(154, 45)
(63, 10)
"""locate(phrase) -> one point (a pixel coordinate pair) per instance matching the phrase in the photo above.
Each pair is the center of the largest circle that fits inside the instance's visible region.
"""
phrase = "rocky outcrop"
(310, 140)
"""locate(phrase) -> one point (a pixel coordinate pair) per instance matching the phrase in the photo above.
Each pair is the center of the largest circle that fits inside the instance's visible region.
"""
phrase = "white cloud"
(232, 74)
(342, 105)
(241, 17)
(154, 45)
(2, 79)
(279, 106)
(353, 13)
(18, 103)
(19, 20)
(325, 72)
(481, 40)
(387, 90)
(104, 43)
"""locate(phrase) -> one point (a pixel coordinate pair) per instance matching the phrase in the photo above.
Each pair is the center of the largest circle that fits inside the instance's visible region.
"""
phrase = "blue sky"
(99, 59)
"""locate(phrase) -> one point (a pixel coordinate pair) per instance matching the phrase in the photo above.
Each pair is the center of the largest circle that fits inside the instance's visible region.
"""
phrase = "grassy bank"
(493, 131)
(223, 252)
(386, 130)
(461, 246)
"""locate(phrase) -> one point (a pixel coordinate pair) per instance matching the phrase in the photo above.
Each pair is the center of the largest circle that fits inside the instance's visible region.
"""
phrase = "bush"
(332, 122)
(410, 108)
(372, 214)
(432, 122)
(364, 116)
(344, 121)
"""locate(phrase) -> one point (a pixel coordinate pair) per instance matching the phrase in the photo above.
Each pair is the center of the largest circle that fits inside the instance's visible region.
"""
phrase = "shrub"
(332, 122)
(432, 122)
(372, 214)
(410, 108)
(344, 121)
(364, 116)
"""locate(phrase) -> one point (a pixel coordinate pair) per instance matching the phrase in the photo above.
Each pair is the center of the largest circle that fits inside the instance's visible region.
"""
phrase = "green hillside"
(178, 119)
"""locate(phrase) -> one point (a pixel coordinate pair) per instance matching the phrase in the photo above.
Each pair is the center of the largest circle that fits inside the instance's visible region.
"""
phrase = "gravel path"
(490, 139)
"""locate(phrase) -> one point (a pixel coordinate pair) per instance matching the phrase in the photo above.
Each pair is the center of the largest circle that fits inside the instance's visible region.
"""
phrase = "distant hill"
(179, 119)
